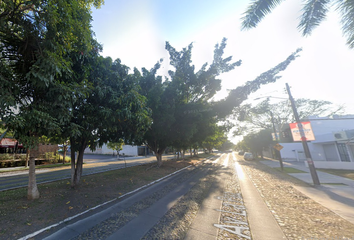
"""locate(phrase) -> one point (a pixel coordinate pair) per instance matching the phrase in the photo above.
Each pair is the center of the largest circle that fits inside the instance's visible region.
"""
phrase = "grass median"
(58, 201)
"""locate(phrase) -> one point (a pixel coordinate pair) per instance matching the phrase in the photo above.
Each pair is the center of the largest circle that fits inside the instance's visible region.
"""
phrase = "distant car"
(241, 153)
(248, 156)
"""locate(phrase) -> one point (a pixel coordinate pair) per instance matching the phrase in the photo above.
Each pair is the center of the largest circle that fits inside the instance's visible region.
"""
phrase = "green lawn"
(335, 184)
(339, 172)
(290, 170)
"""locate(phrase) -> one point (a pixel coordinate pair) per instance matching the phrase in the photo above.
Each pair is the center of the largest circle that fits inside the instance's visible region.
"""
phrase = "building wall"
(328, 125)
(295, 152)
(128, 150)
(323, 149)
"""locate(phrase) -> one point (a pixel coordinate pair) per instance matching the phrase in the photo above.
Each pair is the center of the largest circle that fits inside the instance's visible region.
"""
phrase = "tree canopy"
(183, 111)
(255, 118)
(36, 39)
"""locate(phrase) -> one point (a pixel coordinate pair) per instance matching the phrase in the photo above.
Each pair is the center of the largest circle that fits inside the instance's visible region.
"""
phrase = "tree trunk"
(32, 192)
(27, 153)
(183, 152)
(158, 152)
(190, 151)
(65, 149)
(78, 168)
(159, 158)
(73, 162)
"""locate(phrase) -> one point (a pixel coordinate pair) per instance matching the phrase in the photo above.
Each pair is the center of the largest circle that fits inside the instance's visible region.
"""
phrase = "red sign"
(306, 126)
(9, 143)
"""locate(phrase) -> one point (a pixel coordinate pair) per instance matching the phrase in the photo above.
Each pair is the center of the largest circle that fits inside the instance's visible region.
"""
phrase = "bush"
(3, 164)
(22, 157)
(12, 163)
(6, 156)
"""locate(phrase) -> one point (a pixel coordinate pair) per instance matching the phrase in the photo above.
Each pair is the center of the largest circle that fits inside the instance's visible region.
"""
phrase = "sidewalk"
(335, 193)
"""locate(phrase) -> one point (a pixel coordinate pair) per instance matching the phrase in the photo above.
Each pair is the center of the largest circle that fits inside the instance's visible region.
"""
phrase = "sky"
(136, 31)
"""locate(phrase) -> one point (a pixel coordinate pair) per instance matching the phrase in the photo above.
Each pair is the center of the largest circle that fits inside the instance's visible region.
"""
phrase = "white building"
(128, 150)
(333, 146)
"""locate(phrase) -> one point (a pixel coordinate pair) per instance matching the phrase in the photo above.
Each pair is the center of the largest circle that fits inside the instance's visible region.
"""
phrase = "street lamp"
(312, 168)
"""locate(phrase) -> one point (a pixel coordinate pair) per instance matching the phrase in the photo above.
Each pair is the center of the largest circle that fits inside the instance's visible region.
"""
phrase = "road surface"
(93, 164)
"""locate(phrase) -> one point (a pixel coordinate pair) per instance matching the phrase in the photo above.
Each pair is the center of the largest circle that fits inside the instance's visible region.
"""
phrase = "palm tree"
(313, 13)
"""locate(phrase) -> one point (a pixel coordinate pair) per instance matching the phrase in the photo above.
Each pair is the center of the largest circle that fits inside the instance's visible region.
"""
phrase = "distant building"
(128, 150)
(333, 146)
(9, 145)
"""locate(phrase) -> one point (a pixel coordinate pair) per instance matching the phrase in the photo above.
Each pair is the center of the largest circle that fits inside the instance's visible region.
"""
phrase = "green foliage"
(181, 107)
(215, 138)
(257, 142)
(111, 108)
(36, 39)
(236, 96)
(313, 13)
(116, 146)
(183, 112)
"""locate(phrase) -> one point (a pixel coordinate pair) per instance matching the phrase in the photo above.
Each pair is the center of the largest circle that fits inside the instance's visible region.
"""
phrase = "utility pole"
(312, 168)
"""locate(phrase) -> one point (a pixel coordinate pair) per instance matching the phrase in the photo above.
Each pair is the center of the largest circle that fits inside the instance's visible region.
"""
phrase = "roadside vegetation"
(18, 160)
(56, 86)
(290, 170)
(19, 217)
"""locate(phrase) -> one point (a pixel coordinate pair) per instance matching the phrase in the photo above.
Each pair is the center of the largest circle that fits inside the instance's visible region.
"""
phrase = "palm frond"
(346, 9)
(313, 13)
(256, 11)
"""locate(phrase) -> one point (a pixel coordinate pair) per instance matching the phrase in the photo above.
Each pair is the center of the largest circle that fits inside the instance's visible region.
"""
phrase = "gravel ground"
(175, 224)
(298, 216)
(118, 220)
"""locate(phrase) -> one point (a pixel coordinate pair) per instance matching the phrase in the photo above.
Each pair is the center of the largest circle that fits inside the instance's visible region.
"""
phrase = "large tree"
(36, 38)
(313, 13)
(109, 111)
(182, 105)
(179, 102)
(161, 102)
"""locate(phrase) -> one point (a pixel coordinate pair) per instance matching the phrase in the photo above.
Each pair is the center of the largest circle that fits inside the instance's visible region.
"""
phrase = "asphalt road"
(93, 164)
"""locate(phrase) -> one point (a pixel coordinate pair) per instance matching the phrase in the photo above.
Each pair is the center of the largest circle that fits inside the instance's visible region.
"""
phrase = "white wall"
(128, 150)
(326, 126)
(295, 152)
(333, 165)
(323, 129)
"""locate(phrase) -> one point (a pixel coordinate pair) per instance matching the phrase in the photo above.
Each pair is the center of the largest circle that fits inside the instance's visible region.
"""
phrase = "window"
(343, 152)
